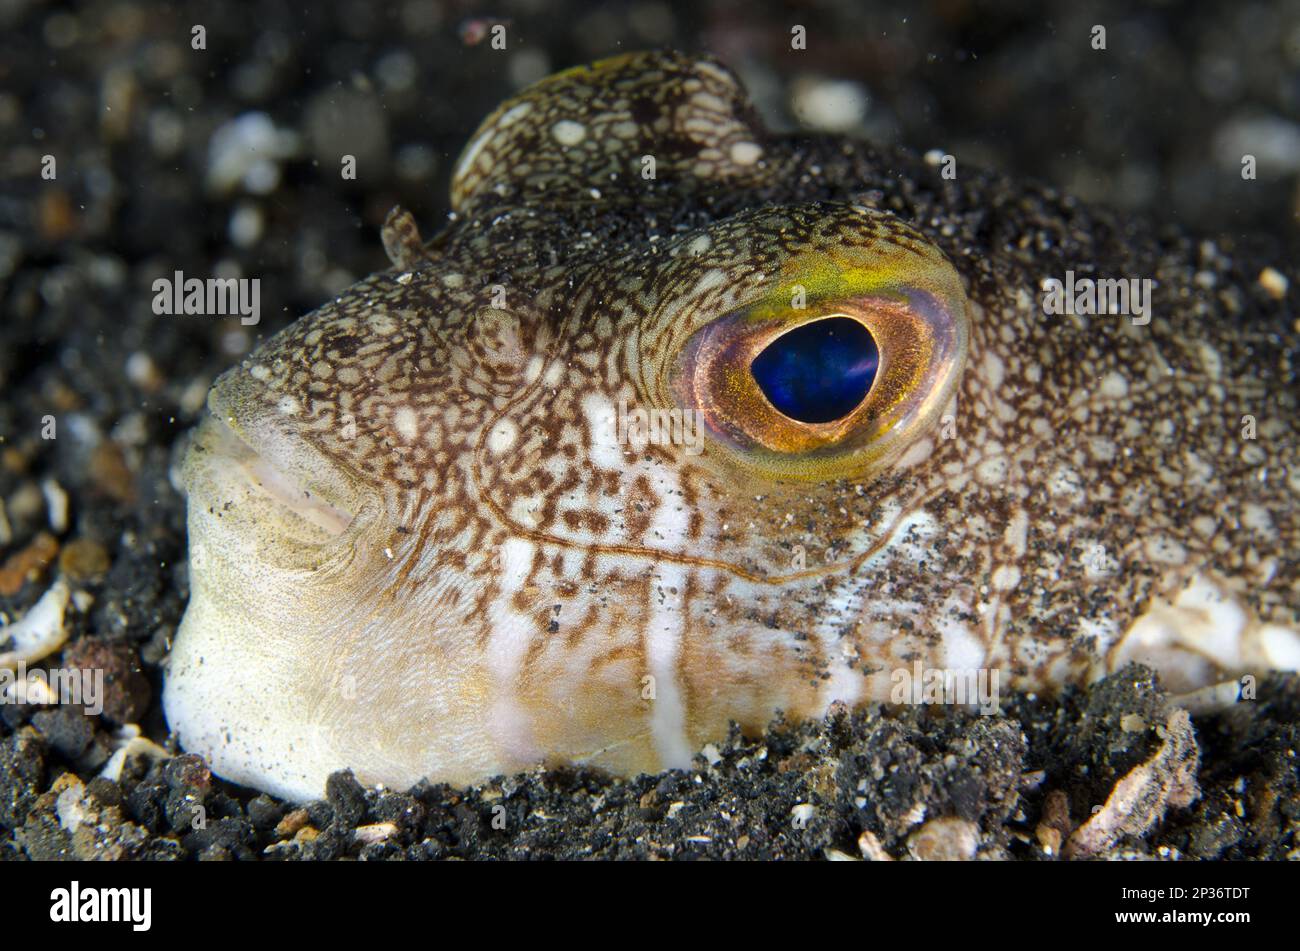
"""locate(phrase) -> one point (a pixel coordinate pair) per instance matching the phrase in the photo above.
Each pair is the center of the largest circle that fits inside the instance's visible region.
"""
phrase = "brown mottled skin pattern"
(506, 595)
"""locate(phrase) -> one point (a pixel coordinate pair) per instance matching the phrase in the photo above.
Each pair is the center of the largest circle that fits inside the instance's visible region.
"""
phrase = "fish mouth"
(252, 465)
(235, 458)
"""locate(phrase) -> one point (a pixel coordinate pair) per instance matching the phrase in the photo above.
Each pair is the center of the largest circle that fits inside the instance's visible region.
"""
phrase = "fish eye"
(819, 371)
(840, 385)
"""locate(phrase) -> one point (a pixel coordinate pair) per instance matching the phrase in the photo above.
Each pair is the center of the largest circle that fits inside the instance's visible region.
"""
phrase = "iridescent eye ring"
(839, 386)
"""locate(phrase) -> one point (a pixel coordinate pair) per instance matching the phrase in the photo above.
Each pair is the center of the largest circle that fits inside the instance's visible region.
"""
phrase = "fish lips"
(255, 442)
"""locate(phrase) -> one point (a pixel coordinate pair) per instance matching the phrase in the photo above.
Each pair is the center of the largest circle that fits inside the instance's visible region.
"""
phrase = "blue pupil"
(818, 372)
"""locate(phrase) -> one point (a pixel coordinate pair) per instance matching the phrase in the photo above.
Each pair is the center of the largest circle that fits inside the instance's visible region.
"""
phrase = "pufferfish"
(679, 422)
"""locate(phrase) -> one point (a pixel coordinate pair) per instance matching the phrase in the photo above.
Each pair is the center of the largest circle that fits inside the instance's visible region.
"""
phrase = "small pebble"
(1132, 723)
(803, 813)
(83, 558)
(56, 504)
(127, 691)
(291, 824)
(1274, 283)
(377, 832)
(110, 472)
(949, 839)
(143, 372)
(829, 105)
(871, 848)
(28, 564)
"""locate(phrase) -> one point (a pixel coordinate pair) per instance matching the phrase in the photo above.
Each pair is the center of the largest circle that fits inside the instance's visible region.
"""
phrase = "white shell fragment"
(40, 633)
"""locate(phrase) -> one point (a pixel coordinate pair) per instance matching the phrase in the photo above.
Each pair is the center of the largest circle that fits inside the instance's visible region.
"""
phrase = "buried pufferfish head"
(426, 544)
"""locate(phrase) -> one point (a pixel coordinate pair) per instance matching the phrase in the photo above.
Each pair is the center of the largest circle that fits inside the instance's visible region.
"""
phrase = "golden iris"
(841, 385)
